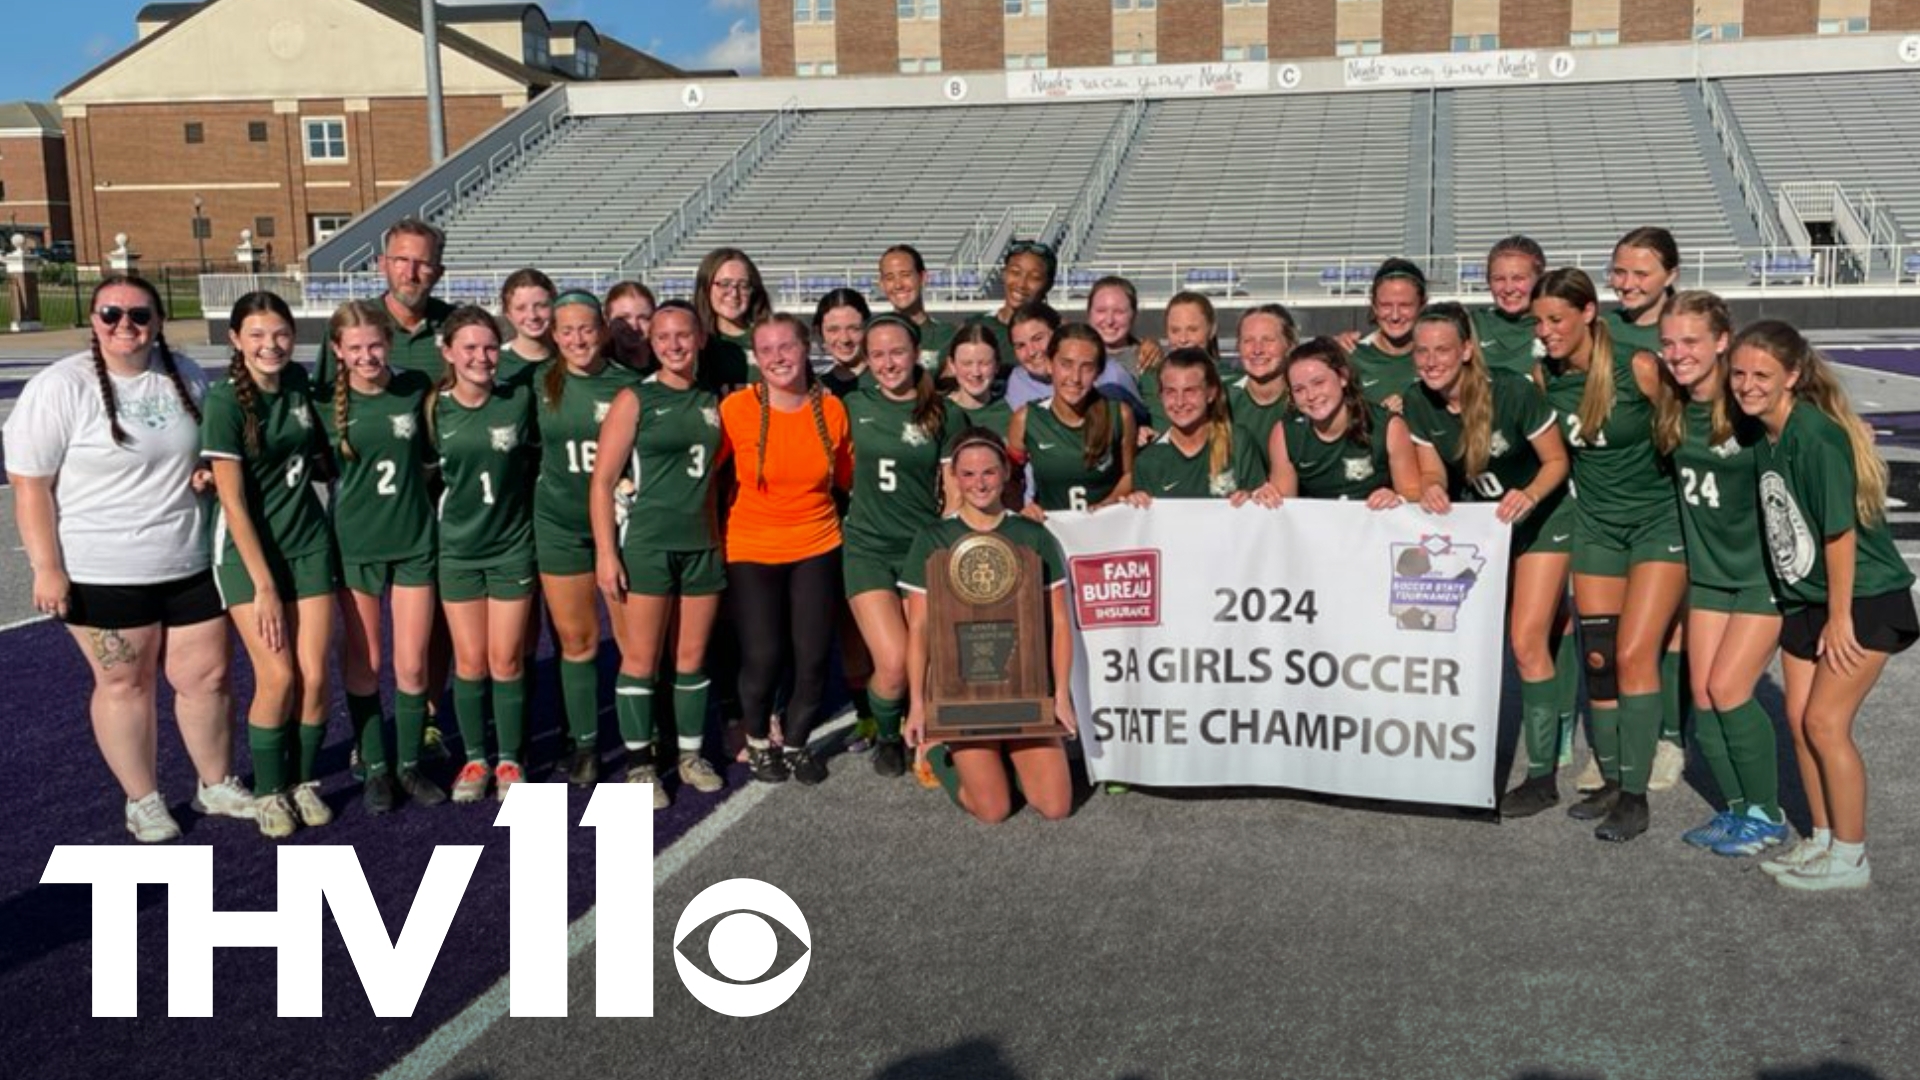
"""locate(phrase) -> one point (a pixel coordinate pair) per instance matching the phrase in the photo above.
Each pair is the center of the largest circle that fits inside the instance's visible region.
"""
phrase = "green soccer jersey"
(1062, 479)
(995, 415)
(1341, 469)
(519, 370)
(1149, 383)
(1507, 341)
(381, 510)
(935, 336)
(280, 497)
(1253, 418)
(1617, 475)
(412, 350)
(1381, 376)
(569, 442)
(676, 451)
(1519, 414)
(1164, 471)
(1014, 529)
(488, 457)
(1719, 509)
(896, 469)
(1807, 486)
(1644, 338)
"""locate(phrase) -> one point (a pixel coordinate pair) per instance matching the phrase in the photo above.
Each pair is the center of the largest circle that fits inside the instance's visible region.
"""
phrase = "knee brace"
(1599, 635)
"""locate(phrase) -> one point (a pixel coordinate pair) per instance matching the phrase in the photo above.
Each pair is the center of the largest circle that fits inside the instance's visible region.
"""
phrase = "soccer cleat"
(1626, 820)
(1534, 795)
(313, 810)
(505, 775)
(228, 798)
(890, 757)
(1114, 788)
(1669, 761)
(1825, 872)
(1721, 827)
(1591, 779)
(149, 820)
(420, 790)
(804, 767)
(380, 795)
(471, 784)
(1597, 805)
(433, 747)
(1800, 854)
(768, 765)
(274, 815)
(1751, 836)
(583, 767)
(697, 774)
(640, 770)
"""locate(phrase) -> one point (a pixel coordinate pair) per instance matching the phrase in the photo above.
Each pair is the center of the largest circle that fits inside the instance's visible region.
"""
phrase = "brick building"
(289, 117)
(871, 37)
(33, 173)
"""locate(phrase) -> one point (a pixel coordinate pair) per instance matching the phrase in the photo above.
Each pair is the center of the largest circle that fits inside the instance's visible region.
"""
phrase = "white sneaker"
(314, 812)
(1795, 857)
(228, 798)
(697, 774)
(274, 815)
(1828, 871)
(149, 821)
(1590, 779)
(1669, 761)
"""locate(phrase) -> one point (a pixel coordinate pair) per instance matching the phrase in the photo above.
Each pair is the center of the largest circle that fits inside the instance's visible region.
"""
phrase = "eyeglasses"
(113, 313)
(734, 286)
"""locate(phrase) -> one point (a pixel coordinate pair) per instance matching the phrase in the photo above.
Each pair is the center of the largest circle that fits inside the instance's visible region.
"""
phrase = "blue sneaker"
(1721, 828)
(1751, 836)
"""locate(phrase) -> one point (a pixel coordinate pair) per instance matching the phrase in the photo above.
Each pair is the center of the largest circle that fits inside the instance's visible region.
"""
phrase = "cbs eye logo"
(742, 946)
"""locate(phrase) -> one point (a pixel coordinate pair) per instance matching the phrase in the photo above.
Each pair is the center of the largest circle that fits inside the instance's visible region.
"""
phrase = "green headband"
(576, 296)
(890, 318)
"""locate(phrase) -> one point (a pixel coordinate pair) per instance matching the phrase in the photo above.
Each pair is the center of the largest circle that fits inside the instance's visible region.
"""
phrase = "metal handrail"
(682, 220)
(1094, 193)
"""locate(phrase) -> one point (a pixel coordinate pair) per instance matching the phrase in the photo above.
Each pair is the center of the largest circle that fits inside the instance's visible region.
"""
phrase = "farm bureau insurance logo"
(742, 946)
(1118, 588)
(1431, 579)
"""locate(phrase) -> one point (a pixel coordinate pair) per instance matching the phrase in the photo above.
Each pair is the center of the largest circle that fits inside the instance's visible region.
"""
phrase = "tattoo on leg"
(109, 648)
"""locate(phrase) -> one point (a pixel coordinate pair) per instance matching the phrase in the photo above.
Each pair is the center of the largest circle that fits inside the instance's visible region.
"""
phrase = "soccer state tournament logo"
(1431, 579)
(1789, 541)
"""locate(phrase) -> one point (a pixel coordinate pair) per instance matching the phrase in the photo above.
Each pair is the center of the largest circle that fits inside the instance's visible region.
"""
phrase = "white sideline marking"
(470, 1023)
(18, 623)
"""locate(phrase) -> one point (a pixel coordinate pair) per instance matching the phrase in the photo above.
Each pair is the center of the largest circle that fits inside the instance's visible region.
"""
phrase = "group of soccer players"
(1676, 488)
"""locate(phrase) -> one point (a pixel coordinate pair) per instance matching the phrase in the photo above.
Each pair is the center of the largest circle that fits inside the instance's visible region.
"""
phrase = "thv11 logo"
(393, 972)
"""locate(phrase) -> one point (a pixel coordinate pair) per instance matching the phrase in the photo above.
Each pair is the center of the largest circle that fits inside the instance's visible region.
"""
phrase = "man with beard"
(411, 264)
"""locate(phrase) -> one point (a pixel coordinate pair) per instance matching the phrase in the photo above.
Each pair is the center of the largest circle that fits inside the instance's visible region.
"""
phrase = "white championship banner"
(1321, 646)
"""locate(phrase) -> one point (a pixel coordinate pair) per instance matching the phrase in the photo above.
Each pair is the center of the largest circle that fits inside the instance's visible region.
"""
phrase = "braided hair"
(259, 302)
(761, 397)
(349, 316)
(108, 398)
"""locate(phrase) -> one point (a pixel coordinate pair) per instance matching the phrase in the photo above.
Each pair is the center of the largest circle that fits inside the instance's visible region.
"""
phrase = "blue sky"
(48, 47)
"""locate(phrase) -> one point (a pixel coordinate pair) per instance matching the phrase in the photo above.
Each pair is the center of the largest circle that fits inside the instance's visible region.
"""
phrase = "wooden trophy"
(987, 644)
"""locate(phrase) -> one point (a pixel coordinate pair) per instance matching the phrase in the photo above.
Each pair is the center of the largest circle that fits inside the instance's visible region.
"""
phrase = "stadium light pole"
(436, 122)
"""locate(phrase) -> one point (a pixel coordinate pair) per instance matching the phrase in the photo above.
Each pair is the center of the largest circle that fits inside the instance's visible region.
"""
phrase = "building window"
(1233, 54)
(1588, 38)
(909, 66)
(1256, 52)
(1026, 7)
(327, 139)
(3, 191)
(829, 68)
(196, 134)
(586, 63)
(1034, 61)
(812, 11)
(919, 9)
(1716, 31)
(325, 225)
(263, 228)
(533, 45)
(1240, 3)
(1475, 42)
(1149, 5)
(921, 65)
(1369, 47)
(803, 70)
(256, 131)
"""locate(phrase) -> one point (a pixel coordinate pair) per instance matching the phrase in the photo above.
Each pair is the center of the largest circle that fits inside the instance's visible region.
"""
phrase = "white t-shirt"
(127, 513)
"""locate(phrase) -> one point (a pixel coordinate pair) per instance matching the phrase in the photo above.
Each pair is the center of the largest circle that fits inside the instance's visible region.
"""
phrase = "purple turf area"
(60, 792)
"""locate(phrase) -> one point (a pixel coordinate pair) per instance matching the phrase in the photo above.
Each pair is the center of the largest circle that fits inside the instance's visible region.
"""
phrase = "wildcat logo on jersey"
(303, 417)
(1358, 468)
(1499, 446)
(911, 435)
(711, 415)
(503, 438)
(600, 410)
(1726, 449)
(403, 426)
(1221, 485)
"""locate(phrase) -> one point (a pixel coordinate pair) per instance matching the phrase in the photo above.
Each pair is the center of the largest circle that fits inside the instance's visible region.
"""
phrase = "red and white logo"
(1117, 588)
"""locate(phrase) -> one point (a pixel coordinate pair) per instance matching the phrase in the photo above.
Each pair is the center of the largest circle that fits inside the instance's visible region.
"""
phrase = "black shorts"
(1884, 623)
(184, 602)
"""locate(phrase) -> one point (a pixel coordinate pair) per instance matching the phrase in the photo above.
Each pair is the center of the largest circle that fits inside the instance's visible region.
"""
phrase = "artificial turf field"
(1244, 933)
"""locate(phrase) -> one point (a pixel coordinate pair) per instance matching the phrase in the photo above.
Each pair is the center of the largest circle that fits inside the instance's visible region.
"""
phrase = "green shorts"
(675, 573)
(1605, 549)
(510, 577)
(871, 571)
(562, 552)
(1548, 533)
(1749, 600)
(373, 578)
(298, 578)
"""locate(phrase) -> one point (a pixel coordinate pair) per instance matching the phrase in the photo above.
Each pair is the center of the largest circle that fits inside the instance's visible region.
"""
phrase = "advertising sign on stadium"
(1161, 80)
(1320, 646)
(1443, 69)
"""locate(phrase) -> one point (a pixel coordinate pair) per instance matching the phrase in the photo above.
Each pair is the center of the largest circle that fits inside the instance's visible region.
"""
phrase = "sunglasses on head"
(1029, 247)
(112, 314)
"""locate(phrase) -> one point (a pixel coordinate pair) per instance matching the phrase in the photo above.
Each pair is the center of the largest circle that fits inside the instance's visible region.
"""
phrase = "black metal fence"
(65, 289)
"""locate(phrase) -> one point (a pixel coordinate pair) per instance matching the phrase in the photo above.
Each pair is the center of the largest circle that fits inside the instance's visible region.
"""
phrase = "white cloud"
(739, 50)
